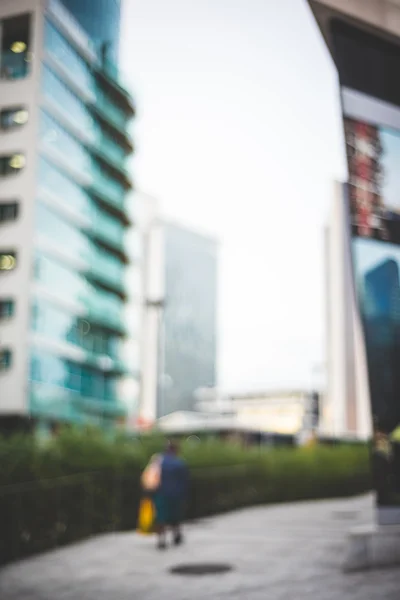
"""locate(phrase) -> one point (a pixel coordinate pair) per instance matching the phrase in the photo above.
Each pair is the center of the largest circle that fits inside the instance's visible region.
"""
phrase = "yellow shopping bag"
(146, 518)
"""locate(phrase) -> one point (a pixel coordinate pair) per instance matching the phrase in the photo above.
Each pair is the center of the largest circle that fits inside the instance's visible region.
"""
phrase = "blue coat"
(174, 477)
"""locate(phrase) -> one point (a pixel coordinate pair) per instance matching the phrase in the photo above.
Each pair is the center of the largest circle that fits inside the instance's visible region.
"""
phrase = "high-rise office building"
(188, 336)
(179, 323)
(364, 41)
(65, 344)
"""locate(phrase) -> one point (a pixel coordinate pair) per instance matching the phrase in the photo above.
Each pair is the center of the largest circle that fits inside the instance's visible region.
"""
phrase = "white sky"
(238, 132)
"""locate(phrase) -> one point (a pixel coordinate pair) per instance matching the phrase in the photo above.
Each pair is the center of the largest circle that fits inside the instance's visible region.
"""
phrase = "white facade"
(280, 412)
(17, 236)
(151, 297)
(345, 410)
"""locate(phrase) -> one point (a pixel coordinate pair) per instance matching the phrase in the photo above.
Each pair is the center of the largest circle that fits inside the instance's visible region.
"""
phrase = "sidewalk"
(285, 552)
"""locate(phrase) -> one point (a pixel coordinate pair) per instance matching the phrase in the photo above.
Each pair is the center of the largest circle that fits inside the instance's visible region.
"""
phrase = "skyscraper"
(64, 214)
(188, 337)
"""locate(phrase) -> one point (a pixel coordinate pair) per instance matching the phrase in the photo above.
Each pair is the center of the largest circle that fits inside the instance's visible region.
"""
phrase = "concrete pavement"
(284, 552)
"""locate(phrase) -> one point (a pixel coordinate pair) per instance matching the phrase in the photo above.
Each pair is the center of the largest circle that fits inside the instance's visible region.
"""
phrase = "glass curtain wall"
(79, 236)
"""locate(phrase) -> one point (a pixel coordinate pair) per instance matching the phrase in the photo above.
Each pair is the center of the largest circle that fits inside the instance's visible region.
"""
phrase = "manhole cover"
(201, 569)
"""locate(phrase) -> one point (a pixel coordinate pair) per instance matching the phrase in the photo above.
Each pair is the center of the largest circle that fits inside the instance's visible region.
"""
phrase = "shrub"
(82, 482)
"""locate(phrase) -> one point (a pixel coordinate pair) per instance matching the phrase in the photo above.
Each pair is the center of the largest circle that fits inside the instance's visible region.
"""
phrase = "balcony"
(111, 407)
(110, 149)
(110, 76)
(109, 234)
(114, 117)
(114, 155)
(112, 365)
(59, 403)
(108, 272)
(105, 313)
(108, 192)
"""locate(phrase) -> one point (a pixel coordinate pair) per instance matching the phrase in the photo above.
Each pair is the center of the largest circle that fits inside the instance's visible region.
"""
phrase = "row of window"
(100, 264)
(54, 181)
(16, 57)
(70, 285)
(77, 112)
(85, 381)
(58, 140)
(60, 50)
(63, 326)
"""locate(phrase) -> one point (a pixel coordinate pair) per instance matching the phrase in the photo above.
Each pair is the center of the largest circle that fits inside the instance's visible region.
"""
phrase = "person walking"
(171, 495)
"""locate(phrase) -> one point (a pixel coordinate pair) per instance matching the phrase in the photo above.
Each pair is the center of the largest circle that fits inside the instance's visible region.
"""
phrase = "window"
(13, 117)
(52, 227)
(74, 109)
(58, 184)
(6, 309)
(83, 380)
(60, 50)
(57, 140)
(5, 359)
(8, 261)
(366, 62)
(15, 47)
(8, 211)
(57, 323)
(12, 164)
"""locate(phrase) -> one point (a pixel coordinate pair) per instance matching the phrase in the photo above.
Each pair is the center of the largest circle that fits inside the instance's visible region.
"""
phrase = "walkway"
(286, 552)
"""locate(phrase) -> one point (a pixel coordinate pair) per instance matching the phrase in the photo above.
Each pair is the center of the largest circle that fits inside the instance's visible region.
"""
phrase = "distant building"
(290, 415)
(188, 340)
(179, 325)
(281, 412)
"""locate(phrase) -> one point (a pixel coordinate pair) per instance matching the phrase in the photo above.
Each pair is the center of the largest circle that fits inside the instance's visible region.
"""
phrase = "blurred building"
(179, 349)
(363, 38)
(345, 411)
(281, 412)
(188, 337)
(264, 416)
(150, 301)
(65, 210)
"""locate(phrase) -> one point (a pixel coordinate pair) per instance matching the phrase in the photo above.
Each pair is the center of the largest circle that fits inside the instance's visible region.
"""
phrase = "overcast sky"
(238, 132)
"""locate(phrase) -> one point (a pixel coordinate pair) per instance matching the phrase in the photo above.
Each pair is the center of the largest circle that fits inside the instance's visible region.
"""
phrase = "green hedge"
(82, 483)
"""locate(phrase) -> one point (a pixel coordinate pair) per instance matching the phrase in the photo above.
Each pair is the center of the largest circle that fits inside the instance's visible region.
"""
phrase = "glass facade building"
(189, 337)
(79, 290)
